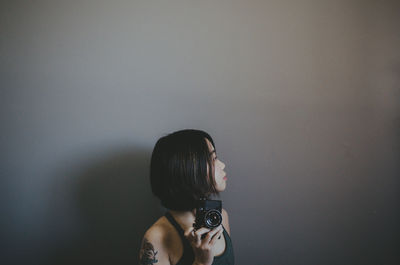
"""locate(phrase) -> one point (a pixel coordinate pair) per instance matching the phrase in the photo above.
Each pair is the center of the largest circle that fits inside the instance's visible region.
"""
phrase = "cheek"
(214, 169)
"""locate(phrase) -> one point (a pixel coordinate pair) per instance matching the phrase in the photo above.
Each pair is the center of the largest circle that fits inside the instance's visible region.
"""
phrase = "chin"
(220, 189)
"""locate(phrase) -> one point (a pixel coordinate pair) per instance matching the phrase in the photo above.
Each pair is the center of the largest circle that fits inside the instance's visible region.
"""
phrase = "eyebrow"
(213, 152)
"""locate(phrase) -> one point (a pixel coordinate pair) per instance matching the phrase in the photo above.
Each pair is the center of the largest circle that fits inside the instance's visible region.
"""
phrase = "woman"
(184, 169)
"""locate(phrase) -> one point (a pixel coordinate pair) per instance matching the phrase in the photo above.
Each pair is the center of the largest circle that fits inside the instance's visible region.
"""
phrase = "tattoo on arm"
(147, 253)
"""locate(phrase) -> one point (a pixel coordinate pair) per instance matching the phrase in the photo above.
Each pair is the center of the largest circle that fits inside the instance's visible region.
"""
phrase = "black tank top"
(226, 258)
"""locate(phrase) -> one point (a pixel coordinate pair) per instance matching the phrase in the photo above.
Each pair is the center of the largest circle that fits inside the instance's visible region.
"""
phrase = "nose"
(222, 164)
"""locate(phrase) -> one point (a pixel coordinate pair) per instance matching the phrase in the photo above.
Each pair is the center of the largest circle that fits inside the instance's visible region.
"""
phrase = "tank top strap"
(172, 220)
(188, 255)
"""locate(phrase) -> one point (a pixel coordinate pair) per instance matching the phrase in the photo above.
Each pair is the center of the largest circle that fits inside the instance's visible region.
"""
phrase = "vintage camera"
(208, 214)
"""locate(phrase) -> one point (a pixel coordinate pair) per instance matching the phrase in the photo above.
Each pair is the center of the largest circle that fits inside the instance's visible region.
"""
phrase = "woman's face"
(219, 173)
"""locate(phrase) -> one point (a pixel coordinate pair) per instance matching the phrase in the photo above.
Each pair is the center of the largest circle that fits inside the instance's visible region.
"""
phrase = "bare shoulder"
(154, 248)
(225, 221)
(159, 229)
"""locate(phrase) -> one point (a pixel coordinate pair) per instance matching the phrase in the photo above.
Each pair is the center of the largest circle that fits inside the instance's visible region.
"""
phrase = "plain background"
(301, 98)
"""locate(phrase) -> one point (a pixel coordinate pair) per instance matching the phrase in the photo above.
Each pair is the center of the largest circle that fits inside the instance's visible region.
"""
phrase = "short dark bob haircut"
(178, 169)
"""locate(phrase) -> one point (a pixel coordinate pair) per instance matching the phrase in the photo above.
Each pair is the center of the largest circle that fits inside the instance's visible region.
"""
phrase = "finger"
(191, 236)
(200, 235)
(211, 234)
(215, 237)
(189, 232)
(201, 231)
(214, 231)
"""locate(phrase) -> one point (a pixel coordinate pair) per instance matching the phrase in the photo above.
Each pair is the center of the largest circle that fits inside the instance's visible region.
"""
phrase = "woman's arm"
(153, 250)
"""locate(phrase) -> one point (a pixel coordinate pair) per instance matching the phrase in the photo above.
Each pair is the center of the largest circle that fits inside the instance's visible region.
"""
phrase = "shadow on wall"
(114, 207)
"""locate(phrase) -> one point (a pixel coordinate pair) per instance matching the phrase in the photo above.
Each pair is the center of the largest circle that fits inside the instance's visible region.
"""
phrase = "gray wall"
(301, 97)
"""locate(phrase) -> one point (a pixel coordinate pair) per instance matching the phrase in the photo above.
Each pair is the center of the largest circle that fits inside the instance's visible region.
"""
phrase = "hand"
(203, 248)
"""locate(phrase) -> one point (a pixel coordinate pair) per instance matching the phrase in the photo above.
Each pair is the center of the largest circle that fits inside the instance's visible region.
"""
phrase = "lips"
(225, 178)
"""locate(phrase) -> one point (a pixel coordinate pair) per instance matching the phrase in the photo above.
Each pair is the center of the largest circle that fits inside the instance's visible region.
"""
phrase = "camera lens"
(212, 219)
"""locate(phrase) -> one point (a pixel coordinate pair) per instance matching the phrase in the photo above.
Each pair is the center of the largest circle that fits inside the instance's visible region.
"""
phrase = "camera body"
(208, 214)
